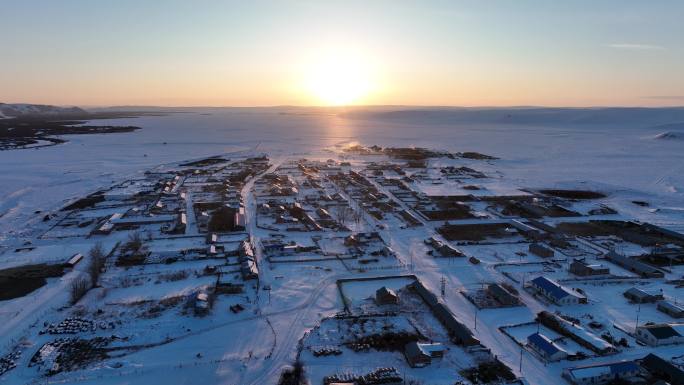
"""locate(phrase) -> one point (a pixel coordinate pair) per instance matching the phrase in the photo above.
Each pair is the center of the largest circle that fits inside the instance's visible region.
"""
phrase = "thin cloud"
(636, 47)
(666, 97)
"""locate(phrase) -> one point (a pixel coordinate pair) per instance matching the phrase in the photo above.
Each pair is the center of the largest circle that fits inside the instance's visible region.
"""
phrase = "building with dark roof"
(459, 333)
(421, 354)
(541, 250)
(583, 269)
(663, 370)
(637, 295)
(660, 334)
(385, 296)
(671, 309)
(501, 295)
(643, 269)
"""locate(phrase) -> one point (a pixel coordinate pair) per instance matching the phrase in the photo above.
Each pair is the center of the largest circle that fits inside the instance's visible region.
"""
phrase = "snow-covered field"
(296, 295)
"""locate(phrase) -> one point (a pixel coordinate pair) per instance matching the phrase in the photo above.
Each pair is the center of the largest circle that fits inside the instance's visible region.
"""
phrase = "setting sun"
(339, 79)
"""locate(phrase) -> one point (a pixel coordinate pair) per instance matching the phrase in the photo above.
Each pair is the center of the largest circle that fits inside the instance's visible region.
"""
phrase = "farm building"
(660, 334)
(671, 309)
(583, 269)
(501, 295)
(556, 293)
(541, 250)
(637, 295)
(633, 265)
(459, 333)
(545, 347)
(385, 296)
(419, 354)
(663, 370)
(598, 374)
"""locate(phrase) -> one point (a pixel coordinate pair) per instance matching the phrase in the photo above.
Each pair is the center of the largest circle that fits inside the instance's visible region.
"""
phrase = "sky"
(264, 53)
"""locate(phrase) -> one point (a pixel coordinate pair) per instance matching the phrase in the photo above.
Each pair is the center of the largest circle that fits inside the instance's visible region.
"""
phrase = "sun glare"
(339, 80)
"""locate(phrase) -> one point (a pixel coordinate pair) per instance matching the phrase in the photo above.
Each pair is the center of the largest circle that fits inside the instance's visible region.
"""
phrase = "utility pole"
(521, 355)
(476, 311)
(637, 318)
(443, 286)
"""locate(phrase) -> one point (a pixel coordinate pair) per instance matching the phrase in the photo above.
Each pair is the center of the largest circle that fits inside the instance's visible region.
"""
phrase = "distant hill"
(22, 109)
(632, 117)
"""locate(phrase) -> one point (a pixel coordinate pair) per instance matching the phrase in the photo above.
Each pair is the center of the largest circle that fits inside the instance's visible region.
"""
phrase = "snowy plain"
(621, 154)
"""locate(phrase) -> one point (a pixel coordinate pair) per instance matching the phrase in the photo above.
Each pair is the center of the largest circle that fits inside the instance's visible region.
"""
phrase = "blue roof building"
(555, 292)
(546, 348)
(601, 373)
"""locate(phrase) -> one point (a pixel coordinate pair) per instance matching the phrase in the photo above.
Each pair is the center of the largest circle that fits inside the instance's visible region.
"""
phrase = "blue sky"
(401, 52)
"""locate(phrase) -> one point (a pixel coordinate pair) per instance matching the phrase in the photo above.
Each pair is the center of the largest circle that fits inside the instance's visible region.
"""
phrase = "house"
(581, 268)
(385, 296)
(75, 259)
(546, 348)
(598, 374)
(637, 295)
(643, 269)
(556, 293)
(671, 309)
(541, 250)
(660, 334)
(419, 354)
(663, 370)
(501, 295)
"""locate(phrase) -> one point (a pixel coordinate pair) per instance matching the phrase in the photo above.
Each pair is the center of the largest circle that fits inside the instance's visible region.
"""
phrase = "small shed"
(74, 260)
(385, 296)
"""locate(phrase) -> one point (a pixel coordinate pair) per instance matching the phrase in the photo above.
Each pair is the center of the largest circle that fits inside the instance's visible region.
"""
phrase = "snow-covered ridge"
(669, 135)
(22, 109)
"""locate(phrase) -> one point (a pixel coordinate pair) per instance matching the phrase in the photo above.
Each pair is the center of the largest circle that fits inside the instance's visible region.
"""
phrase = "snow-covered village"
(351, 264)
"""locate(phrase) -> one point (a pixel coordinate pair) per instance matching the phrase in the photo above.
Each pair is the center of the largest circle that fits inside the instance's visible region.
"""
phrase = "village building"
(637, 295)
(546, 348)
(385, 296)
(660, 334)
(671, 309)
(459, 333)
(643, 269)
(419, 355)
(556, 293)
(663, 370)
(501, 295)
(581, 268)
(541, 250)
(599, 374)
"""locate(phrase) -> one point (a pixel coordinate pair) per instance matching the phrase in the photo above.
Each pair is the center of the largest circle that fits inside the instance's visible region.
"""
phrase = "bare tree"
(134, 243)
(78, 288)
(342, 213)
(97, 262)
